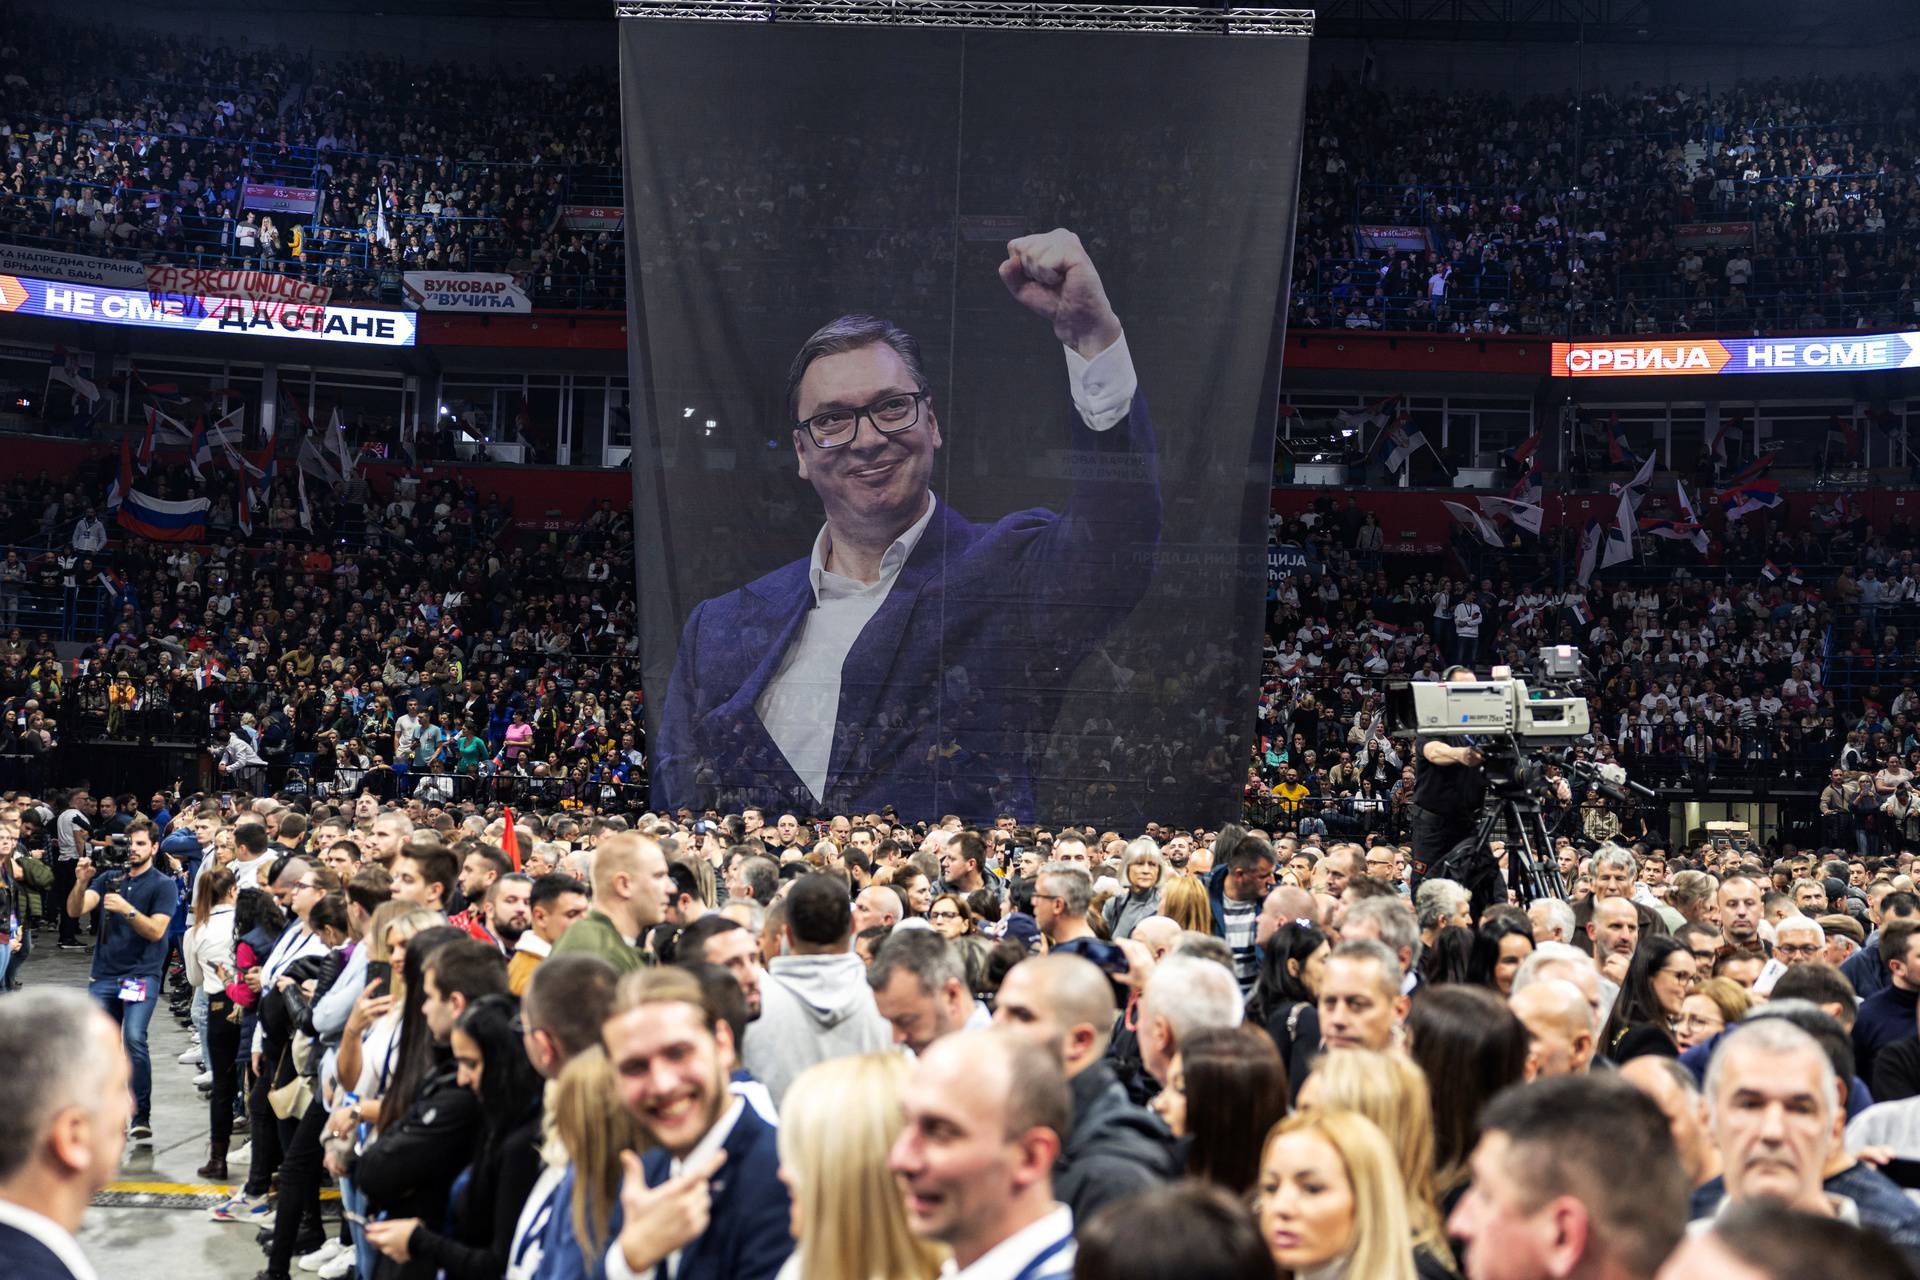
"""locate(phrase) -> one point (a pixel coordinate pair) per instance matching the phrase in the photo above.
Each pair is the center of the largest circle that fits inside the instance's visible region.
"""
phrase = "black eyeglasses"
(890, 415)
(943, 915)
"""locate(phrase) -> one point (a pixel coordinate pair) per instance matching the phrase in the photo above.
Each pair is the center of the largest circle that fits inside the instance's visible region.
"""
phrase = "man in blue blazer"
(706, 1203)
(67, 1093)
(917, 658)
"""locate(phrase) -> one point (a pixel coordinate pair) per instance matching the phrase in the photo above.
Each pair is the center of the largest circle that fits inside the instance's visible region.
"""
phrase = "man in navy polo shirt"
(137, 905)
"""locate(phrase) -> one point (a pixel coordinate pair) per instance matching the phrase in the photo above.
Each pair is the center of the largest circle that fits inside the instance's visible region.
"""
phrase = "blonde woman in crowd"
(1330, 1201)
(1391, 1090)
(1184, 901)
(837, 1123)
(595, 1129)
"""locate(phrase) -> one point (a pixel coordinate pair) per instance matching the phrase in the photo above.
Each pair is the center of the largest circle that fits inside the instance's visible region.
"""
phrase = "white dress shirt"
(716, 1137)
(800, 706)
(1013, 1256)
(58, 1240)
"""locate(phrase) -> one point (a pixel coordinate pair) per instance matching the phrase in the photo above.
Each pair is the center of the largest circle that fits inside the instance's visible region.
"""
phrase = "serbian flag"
(264, 467)
(1752, 471)
(66, 371)
(243, 514)
(145, 388)
(1692, 517)
(146, 442)
(1671, 530)
(1758, 496)
(1769, 572)
(1405, 444)
(1475, 521)
(1591, 539)
(122, 480)
(1581, 614)
(510, 841)
(199, 450)
(1532, 486)
(1618, 453)
(163, 520)
(1527, 515)
(1519, 454)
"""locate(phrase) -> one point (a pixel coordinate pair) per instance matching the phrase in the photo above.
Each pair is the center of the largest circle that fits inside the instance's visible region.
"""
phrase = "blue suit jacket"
(948, 695)
(28, 1259)
(747, 1237)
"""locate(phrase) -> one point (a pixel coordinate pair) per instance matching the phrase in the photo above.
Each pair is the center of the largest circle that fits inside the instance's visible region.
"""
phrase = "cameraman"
(1448, 788)
(137, 906)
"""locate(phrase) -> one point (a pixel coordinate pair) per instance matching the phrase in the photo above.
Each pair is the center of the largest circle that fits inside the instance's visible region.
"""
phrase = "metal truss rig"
(1184, 19)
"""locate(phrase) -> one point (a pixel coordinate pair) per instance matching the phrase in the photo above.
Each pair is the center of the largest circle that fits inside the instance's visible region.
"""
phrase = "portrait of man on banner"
(913, 657)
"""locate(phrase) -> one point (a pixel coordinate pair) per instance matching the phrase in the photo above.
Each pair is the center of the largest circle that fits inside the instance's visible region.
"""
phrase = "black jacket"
(1117, 1147)
(486, 1209)
(409, 1170)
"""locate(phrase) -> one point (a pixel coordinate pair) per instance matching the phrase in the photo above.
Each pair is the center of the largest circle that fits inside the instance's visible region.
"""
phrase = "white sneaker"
(243, 1208)
(205, 1077)
(340, 1268)
(322, 1256)
(242, 1154)
(191, 1058)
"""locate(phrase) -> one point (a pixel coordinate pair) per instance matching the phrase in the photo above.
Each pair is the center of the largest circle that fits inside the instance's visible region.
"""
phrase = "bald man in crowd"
(1065, 1004)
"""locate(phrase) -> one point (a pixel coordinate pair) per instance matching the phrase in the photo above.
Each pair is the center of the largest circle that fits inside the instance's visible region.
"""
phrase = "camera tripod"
(1532, 872)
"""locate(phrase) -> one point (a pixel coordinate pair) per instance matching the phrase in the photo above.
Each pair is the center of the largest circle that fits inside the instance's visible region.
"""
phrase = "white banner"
(19, 260)
(465, 291)
(365, 326)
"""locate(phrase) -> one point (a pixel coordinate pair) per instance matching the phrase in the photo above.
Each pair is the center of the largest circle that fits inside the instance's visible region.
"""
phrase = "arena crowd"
(535, 1045)
(1778, 204)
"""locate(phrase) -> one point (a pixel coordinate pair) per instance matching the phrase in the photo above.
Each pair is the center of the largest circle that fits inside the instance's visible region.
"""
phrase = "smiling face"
(672, 1070)
(874, 485)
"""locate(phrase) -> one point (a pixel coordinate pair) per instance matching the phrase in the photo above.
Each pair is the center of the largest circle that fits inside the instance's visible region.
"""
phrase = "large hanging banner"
(955, 356)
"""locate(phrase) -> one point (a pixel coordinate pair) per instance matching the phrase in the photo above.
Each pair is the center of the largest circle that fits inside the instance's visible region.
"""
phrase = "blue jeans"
(200, 1027)
(353, 1201)
(133, 1017)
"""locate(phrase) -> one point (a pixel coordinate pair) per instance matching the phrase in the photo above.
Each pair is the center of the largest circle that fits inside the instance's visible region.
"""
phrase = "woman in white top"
(369, 1053)
(207, 954)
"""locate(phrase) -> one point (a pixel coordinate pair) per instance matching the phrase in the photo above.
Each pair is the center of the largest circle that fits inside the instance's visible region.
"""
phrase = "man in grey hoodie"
(815, 1004)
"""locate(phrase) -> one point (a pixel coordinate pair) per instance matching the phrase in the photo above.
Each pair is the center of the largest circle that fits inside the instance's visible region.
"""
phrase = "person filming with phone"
(136, 904)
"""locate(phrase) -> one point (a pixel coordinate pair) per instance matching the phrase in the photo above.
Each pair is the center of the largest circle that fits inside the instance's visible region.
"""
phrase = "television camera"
(1520, 727)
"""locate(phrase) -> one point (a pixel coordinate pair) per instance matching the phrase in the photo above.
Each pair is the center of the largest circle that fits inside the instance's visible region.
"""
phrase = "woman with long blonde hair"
(1330, 1200)
(595, 1128)
(1390, 1089)
(837, 1123)
(1184, 901)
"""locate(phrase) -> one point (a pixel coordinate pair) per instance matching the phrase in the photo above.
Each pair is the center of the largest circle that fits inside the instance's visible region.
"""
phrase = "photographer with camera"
(136, 900)
(1449, 791)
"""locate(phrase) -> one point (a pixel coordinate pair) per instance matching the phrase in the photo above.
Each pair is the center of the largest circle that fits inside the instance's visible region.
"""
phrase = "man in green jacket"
(630, 892)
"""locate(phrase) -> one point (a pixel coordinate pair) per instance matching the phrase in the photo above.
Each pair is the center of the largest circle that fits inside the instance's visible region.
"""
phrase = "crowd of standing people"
(697, 1045)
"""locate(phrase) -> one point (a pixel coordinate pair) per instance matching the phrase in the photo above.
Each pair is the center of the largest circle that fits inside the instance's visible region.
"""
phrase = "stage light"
(687, 412)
